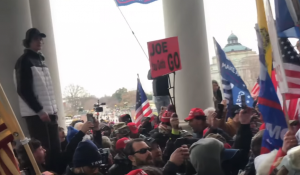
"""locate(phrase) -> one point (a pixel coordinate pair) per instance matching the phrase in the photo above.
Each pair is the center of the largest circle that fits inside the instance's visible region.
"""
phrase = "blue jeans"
(161, 101)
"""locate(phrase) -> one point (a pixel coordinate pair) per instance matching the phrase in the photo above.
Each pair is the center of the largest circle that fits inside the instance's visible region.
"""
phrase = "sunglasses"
(143, 150)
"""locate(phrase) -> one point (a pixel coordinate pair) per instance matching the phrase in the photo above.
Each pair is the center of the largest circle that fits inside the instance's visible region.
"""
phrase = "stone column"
(42, 20)
(14, 22)
(193, 86)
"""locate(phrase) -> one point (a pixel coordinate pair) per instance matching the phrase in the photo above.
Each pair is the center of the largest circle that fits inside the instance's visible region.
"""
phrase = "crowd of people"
(229, 144)
(158, 146)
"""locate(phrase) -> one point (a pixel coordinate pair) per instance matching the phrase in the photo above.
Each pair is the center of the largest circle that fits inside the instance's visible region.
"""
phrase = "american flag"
(255, 90)
(291, 65)
(142, 107)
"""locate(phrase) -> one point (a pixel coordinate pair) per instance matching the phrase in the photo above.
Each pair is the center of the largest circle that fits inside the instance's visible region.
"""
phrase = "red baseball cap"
(166, 116)
(121, 143)
(133, 128)
(193, 113)
(137, 172)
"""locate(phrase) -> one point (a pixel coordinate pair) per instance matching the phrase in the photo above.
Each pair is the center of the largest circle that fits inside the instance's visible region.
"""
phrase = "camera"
(104, 167)
(104, 154)
(98, 108)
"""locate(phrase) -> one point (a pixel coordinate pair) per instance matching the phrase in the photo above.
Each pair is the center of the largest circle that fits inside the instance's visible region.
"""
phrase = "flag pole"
(285, 111)
(219, 67)
(9, 118)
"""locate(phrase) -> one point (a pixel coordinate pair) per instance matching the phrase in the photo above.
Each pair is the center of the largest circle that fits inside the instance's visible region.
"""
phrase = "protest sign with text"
(164, 56)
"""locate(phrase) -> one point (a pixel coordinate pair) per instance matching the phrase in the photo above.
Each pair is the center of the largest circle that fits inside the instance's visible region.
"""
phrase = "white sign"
(278, 65)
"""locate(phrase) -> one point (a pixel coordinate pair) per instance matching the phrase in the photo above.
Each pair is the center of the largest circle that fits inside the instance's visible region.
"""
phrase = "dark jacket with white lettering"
(34, 85)
(160, 85)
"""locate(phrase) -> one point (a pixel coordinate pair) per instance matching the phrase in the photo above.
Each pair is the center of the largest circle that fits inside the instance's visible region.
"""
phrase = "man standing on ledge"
(36, 96)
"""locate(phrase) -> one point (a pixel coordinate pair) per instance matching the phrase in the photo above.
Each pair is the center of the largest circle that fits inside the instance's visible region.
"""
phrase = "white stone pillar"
(14, 22)
(193, 88)
(42, 20)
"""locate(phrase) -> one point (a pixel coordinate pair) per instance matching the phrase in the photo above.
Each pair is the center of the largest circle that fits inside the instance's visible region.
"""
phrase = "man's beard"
(147, 162)
(158, 162)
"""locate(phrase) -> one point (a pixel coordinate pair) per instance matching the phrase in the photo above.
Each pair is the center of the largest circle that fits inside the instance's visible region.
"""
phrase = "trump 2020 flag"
(128, 2)
(272, 114)
(233, 85)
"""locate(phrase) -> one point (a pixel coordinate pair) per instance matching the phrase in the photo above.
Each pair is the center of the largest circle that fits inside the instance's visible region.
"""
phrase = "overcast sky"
(96, 49)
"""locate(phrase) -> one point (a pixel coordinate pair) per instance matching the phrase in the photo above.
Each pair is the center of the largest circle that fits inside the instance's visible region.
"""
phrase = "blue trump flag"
(272, 113)
(285, 25)
(128, 2)
(233, 85)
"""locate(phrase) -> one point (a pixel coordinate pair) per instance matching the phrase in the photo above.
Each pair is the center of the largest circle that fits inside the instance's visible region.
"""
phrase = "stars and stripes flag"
(142, 107)
(291, 65)
(255, 90)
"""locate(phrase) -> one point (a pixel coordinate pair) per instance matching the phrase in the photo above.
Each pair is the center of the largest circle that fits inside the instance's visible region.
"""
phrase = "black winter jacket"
(160, 85)
(121, 165)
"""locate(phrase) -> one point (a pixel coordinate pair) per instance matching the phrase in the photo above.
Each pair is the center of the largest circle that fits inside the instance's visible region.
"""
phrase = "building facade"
(243, 58)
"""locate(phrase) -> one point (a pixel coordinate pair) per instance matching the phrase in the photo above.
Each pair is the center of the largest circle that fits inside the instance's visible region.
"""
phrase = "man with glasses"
(139, 153)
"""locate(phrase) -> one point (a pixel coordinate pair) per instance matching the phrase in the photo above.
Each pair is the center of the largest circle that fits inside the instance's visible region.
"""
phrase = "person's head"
(298, 45)
(235, 113)
(137, 172)
(39, 154)
(121, 130)
(155, 150)
(207, 155)
(208, 113)
(75, 121)
(134, 131)
(87, 158)
(150, 170)
(62, 135)
(125, 118)
(121, 143)
(138, 152)
(215, 85)
(197, 120)
(106, 143)
(78, 126)
(38, 151)
(34, 39)
(106, 130)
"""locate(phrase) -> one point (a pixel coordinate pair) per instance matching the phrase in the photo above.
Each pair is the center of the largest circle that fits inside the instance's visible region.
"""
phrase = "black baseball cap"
(32, 33)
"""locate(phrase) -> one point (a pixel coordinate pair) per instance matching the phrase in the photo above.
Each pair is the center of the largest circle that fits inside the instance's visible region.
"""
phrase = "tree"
(149, 96)
(75, 95)
(119, 93)
(128, 99)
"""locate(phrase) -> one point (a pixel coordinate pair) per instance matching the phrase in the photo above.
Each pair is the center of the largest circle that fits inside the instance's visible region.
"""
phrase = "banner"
(164, 56)
(128, 2)
(272, 113)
